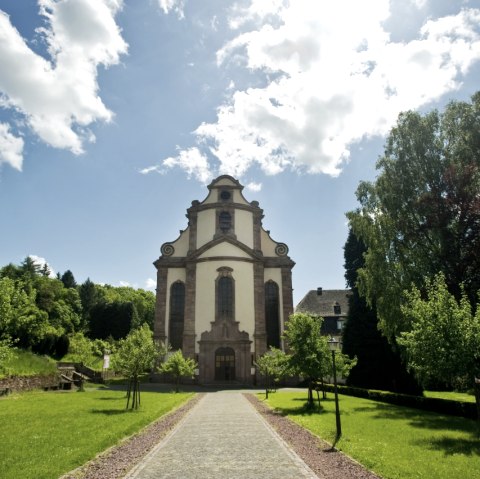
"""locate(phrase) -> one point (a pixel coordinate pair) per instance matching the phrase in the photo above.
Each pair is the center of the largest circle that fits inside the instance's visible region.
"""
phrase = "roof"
(323, 305)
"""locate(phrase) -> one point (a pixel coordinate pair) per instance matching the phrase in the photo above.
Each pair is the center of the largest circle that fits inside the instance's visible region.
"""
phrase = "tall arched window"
(177, 314)
(272, 318)
(225, 297)
(225, 221)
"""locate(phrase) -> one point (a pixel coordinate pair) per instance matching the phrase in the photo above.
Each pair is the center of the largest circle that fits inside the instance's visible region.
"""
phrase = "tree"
(68, 279)
(442, 347)
(179, 367)
(111, 319)
(135, 355)
(309, 353)
(379, 366)
(81, 349)
(6, 353)
(422, 214)
(274, 365)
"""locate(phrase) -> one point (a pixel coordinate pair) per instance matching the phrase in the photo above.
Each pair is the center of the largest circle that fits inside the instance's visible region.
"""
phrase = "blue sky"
(114, 115)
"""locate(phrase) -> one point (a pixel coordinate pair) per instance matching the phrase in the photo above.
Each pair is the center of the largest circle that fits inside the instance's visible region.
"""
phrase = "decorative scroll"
(167, 249)
(281, 249)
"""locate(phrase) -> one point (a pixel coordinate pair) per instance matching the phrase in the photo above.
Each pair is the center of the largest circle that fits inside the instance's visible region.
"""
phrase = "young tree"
(442, 347)
(274, 365)
(422, 214)
(135, 355)
(179, 367)
(308, 350)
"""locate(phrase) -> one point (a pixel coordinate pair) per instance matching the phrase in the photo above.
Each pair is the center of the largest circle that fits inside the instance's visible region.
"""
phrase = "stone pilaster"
(189, 324)
(192, 224)
(161, 305)
(260, 334)
(287, 293)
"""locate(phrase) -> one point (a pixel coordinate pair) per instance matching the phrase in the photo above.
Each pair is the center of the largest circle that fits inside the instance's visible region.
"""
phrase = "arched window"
(177, 314)
(225, 297)
(272, 317)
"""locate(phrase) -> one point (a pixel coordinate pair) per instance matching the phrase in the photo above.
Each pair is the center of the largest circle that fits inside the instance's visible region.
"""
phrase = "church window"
(225, 221)
(177, 314)
(272, 317)
(225, 297)
(225, 195)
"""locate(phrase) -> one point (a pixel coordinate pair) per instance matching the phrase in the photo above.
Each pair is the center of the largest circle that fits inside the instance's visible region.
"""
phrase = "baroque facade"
(224, 286)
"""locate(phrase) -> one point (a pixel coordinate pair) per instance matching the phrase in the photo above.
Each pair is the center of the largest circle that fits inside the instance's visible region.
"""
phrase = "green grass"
(25, 363)
(47, 434)
(452, 395)
(393, 441)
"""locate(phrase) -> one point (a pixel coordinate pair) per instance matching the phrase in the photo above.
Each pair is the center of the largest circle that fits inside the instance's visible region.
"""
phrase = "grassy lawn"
(393, 441)
(454, 396)
(44, 435)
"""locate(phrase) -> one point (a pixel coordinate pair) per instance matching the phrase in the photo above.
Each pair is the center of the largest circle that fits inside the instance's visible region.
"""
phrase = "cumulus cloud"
(38, 260)
(58, 96)
(331, 79)
(176, 6)
(11, 148)
(150, 284)
(253, 186)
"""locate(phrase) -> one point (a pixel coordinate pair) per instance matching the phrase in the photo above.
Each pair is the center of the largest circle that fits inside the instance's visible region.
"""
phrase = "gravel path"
(117, 461)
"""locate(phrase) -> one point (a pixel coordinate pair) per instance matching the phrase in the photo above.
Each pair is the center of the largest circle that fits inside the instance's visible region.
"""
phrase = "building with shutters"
(224, 286)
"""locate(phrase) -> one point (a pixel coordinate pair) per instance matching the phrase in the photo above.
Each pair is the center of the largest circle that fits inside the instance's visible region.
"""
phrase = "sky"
(115, 115)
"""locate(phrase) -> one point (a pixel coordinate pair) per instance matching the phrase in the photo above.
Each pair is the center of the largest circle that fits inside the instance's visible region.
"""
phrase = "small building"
(224, 286)
(331, 305)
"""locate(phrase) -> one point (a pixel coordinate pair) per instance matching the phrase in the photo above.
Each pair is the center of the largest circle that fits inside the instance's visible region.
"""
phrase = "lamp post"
(333, 345)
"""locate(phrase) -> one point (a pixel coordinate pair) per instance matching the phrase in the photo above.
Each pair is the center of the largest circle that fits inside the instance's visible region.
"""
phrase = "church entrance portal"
(225, 364)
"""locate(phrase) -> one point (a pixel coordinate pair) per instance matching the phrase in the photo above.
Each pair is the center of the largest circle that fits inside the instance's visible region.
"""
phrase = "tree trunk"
(310, 394)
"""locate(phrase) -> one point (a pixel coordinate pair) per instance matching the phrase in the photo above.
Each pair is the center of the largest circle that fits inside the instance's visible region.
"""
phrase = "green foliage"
(81, 349)
(26, 363)
(6, 354)
(135, 355)
(379, 366)
(442, 346)
(68, 279)
(178, 366)
(309, 354)
(393, 441)
(274, 363)
(45, 435)
(422, 214)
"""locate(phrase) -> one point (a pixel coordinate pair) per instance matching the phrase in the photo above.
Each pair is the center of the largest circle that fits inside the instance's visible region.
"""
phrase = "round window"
(225, 195)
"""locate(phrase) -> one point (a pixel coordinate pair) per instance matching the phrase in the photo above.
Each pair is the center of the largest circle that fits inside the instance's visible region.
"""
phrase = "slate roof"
(323, 305)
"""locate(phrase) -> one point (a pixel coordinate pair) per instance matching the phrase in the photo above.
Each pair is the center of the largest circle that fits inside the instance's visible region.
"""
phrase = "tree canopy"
(422, 214)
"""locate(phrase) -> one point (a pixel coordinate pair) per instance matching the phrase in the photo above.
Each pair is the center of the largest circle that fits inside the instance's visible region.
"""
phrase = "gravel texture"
(115, 462)
(317, 454)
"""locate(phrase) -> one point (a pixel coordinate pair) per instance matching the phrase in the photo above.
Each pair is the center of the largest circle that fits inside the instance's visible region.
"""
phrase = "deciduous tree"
(179, 367)
(422, 214)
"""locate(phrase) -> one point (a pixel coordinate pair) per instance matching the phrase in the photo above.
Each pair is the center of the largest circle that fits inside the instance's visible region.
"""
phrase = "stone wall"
(25, 383)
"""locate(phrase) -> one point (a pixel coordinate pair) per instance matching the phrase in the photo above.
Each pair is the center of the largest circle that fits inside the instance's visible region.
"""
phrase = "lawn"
(393, 441)
(452, 395)
(45, 434)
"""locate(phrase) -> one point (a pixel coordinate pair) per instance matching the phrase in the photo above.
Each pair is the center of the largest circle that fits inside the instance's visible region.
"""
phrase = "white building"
(224, 287)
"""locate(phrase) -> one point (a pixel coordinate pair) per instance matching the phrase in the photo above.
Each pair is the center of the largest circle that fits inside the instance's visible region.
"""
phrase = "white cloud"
(11, 148)
(176, 6)
(330, 80)
(59, 96)
(252, 186)
(150, 284)
(192, 161)
(124, 284)
(42, 262)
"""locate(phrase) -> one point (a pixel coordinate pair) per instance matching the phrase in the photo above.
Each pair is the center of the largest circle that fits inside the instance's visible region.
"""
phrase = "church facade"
(224, 286)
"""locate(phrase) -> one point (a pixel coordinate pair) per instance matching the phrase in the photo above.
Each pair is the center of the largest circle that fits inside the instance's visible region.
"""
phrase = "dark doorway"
(224, 364)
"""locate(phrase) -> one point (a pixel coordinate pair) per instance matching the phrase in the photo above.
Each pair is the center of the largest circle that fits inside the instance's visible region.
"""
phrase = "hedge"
(437, 405)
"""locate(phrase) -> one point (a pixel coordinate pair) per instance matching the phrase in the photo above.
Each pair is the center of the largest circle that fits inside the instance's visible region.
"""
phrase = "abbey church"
(224, 286)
